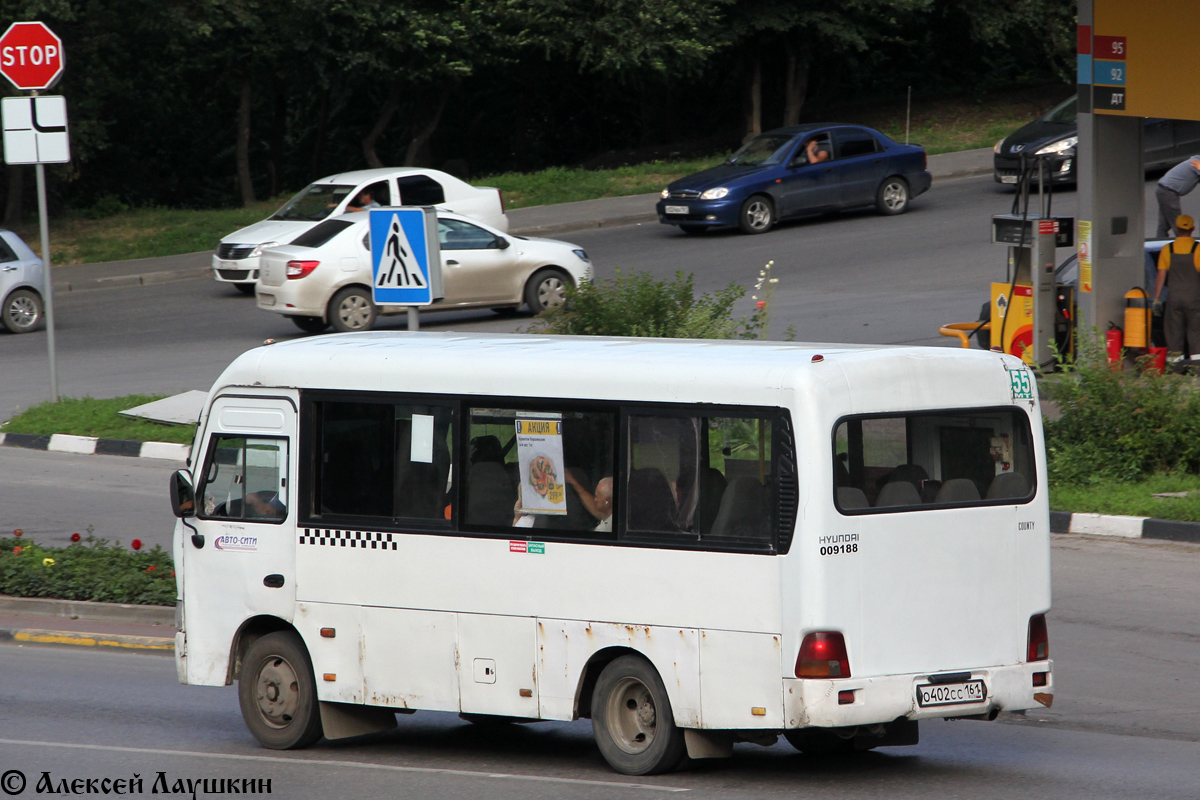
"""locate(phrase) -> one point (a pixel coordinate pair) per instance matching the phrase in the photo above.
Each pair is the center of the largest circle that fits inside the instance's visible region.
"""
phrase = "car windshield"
(314, 203)
(766, 149)
(1064, 112)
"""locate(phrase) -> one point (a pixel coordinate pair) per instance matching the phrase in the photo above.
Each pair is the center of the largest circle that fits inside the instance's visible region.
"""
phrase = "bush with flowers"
(87, 569)
(637, 304)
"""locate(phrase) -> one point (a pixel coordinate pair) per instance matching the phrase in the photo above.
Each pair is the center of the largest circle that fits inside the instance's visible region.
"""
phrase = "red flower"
(136, 544)
(762, 304)
(17, 549)
(74, 537)
(18, 532)
(150, 568)
(172, 573)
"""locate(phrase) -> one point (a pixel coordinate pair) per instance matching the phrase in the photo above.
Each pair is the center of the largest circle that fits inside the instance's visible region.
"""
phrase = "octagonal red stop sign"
(31, 56)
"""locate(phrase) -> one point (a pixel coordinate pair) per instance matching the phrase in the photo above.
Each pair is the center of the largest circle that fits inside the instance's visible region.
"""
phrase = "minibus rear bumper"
(824, 703)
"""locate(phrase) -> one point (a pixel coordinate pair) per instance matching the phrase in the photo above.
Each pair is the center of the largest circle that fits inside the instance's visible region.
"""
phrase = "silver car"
(22, 285)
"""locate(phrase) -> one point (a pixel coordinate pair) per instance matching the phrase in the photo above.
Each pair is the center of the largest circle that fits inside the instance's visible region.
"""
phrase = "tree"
(801, 28)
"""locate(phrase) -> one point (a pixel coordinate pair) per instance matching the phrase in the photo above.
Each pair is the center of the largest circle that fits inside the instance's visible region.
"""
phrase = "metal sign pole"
(44, 226)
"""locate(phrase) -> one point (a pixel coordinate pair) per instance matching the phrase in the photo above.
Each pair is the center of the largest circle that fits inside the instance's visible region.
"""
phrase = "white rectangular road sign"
(406, 258)
(35, 130)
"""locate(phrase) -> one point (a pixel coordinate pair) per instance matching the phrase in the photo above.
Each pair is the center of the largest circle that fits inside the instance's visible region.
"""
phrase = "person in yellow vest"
(1181, 259)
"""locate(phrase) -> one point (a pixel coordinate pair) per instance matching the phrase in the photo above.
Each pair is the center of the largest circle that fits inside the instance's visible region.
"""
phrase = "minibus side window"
(544, 469)
(381, 460)
(701, 478)
(931, 459)
(245, 479)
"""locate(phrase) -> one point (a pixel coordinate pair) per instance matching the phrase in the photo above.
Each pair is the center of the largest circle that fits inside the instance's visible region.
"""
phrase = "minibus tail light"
(1039, 638)
(823, 655)
(298, 269)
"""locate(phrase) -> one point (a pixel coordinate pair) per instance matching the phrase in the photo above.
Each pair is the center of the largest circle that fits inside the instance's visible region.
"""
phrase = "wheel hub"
(277, 692)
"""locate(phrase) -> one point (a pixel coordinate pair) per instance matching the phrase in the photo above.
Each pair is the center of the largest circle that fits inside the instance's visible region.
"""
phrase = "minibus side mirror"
(183, 496)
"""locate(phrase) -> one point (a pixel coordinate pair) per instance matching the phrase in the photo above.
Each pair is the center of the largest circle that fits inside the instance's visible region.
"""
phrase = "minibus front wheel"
(278, 693)
(632, 719)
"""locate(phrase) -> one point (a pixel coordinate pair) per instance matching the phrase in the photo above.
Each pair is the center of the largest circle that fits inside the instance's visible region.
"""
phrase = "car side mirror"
(501, 243)
(183, 495)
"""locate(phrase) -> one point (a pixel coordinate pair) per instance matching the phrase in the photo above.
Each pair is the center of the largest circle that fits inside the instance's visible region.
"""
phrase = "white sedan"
(324, 278)
(237, 258)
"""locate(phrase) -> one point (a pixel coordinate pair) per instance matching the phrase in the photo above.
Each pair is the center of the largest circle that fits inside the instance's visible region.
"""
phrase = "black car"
(1167, 142)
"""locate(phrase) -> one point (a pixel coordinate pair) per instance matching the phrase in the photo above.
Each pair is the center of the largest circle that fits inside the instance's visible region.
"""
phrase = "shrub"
(94, 569)
(1121, 425)
(638, 305)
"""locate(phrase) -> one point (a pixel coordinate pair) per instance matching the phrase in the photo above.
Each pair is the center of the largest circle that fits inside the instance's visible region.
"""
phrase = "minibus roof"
(659, 370)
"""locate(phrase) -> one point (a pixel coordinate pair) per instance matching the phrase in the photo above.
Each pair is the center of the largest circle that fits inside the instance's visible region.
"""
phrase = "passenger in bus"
(598, 503)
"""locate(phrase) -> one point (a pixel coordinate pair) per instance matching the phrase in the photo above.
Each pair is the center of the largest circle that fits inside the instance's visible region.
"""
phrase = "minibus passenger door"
(242, 563)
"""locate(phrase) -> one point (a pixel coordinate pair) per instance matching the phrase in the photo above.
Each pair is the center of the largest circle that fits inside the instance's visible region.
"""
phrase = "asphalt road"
(856, 277)
(1125, 723)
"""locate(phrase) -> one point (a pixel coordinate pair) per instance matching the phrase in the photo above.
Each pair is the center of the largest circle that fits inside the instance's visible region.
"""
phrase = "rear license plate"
(676, 209)
(266, 299)
(951, 694)
(1008, 178)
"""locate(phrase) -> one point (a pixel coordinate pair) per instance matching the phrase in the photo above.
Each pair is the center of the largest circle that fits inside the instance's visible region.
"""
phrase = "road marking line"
(462, 773)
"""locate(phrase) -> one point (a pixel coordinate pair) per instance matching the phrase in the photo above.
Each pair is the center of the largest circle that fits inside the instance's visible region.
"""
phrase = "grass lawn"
(940, 126)
(89, 417)
(1134, 499)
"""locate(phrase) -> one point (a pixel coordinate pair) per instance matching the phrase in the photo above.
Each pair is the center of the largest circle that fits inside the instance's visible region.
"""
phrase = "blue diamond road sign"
(406, 261)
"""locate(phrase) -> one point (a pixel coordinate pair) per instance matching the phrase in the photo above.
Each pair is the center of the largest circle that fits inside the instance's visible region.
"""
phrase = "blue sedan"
(803, 169)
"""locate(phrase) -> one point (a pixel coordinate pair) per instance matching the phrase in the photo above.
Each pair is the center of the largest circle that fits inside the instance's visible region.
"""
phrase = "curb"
(1124, 527)
(585, 225)
(88, 610)
(138, 644)
(90, 445)
(139, 279)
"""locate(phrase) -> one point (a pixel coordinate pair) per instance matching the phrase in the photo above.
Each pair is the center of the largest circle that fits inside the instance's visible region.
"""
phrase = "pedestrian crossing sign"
(406, 261)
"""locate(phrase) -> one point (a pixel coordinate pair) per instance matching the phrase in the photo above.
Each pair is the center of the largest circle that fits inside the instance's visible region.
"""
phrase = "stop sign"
(31, 56)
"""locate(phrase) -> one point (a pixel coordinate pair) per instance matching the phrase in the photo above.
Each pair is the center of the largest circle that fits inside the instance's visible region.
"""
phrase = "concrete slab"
(181, 409)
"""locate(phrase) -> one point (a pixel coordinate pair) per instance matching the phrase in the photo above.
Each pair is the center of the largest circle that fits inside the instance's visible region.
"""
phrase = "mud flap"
(342, 720)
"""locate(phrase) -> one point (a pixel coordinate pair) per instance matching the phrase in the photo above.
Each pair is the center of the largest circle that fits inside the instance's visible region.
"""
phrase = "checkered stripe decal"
(332, 538)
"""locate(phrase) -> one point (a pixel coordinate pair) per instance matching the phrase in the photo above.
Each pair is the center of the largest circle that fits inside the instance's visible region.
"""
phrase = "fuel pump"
(1030, 312)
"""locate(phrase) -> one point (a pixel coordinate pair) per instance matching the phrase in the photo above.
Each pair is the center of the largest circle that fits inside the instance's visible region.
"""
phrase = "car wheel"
(352, 309)
(632, 719)
(547, 288)
(757, 214)
(246, 288)
(693, 230)
(309, 324)
(278, 693)
(892, 197)
(23, 311)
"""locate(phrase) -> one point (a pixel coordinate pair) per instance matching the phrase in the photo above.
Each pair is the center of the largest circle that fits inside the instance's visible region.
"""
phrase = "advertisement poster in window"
(540, 458)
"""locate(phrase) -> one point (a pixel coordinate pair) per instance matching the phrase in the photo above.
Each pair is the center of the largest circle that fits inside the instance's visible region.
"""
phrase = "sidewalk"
(606, 212)
(110, 626)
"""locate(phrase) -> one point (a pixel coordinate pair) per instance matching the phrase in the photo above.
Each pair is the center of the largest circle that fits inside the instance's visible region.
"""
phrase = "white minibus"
(691, 543)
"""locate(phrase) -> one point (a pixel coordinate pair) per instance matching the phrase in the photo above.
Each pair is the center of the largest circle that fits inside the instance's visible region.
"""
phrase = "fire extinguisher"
(1114, 341)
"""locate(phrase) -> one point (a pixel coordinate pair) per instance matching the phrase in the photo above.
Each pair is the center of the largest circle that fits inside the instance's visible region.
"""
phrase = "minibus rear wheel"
(632, 719)
(278, 693)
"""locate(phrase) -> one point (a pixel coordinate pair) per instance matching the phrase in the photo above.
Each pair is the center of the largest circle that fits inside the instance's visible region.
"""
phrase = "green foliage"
(1119, 425)
(1133, 499)
(94, 569)
(639, 305)
(89, 417)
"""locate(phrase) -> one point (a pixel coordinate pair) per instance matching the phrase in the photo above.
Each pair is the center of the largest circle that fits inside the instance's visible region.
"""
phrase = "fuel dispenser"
(1029, 314)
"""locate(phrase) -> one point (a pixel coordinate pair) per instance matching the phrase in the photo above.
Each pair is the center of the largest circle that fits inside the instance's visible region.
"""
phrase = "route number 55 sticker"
(1022, 383)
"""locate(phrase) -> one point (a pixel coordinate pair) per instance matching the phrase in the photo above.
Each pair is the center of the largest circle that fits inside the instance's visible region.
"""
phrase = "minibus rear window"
(911, 462)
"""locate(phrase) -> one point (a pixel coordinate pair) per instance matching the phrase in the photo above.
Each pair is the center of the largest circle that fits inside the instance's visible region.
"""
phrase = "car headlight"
(583, 256)
(714, 194)
(664, 194)
(1059, 146)
(258, 250)
(996, 146)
